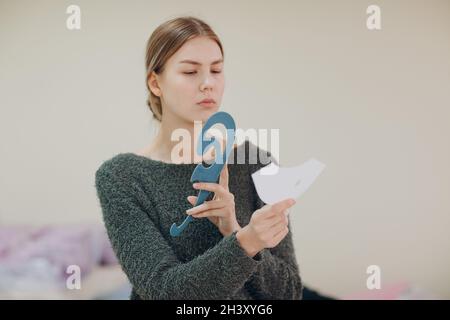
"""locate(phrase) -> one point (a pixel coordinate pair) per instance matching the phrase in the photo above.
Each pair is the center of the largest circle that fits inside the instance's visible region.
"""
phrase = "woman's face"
(192, 74)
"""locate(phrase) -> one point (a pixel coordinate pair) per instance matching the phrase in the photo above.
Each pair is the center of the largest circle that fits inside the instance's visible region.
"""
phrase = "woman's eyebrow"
(198, 63)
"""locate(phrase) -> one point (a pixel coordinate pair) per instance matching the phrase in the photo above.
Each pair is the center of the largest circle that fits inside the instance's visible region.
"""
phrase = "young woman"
(236, 247)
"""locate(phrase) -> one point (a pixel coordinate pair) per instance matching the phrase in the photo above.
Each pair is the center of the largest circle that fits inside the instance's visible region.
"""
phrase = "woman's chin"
(204, 113)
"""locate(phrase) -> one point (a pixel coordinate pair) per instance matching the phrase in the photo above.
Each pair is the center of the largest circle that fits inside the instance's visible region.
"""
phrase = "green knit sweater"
(140, 199)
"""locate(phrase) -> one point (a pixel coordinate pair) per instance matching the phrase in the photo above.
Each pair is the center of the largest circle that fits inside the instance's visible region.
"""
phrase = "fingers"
(210, 213)
(277, 208)
(283, 205)
(280, 234)
(224, 176)
(277, 228)
(213, 187)
(273, 221)
(270, 224)
(207, 205)
(282, 219)
(270, 220)
(192, 199)
(269, 211)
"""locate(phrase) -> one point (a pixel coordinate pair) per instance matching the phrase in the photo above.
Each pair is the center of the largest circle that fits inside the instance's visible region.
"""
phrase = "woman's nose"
(207, 83)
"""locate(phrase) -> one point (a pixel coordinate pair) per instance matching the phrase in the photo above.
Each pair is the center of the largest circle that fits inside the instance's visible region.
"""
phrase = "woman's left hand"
(221, 209)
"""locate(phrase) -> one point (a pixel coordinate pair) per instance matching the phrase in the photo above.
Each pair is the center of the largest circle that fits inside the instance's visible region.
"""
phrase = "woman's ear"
(153, 84)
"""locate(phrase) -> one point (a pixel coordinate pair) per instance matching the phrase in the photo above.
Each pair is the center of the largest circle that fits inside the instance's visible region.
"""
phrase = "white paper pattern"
(274, 183)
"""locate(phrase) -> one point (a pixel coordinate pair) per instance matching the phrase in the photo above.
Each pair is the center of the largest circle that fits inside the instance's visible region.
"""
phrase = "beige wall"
(372, 105)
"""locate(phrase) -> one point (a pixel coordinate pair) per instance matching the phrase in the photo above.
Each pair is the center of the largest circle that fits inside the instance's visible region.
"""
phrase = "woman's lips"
(207, 104)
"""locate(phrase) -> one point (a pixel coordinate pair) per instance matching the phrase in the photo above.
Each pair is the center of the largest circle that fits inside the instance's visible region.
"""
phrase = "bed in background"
(34, 263)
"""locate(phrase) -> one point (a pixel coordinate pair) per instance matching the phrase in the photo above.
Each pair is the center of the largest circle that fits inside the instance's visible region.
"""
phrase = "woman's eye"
(193, 72)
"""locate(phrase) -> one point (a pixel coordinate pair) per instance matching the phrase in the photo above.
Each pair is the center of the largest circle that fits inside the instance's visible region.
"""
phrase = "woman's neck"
(175, 138)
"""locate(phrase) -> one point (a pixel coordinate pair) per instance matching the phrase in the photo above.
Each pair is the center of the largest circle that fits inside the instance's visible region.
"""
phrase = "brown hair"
(164, 42)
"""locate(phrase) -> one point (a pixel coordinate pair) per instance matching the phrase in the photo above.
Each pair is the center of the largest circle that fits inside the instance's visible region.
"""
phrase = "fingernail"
(195, 185)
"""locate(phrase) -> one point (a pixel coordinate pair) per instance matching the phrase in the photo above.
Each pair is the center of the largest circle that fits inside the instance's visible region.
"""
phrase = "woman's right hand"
(267, 227)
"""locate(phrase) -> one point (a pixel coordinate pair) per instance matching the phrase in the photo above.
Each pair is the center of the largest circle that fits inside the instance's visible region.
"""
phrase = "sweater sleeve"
(278, 276)
(147, 258)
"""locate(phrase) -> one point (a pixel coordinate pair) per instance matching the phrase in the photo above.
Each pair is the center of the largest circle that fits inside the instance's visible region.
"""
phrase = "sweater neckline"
(161, 163)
